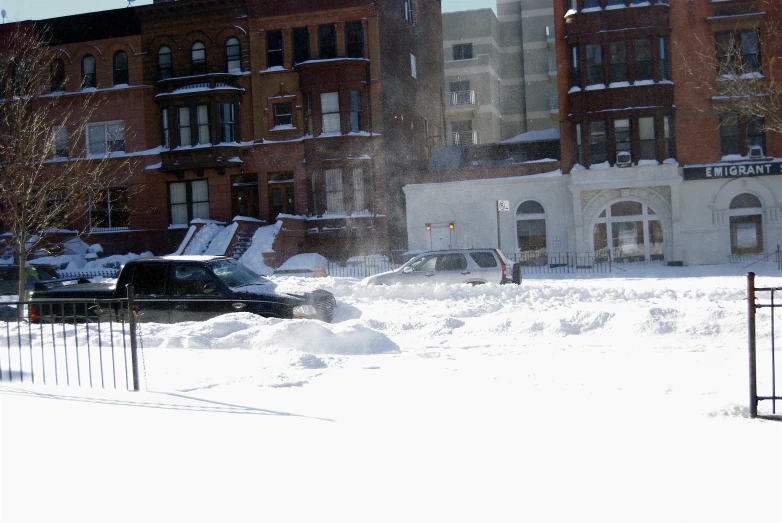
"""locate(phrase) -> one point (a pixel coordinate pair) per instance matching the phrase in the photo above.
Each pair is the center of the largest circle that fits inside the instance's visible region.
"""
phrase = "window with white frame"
(233, 55)
(109, 209)
(283, 114)
(334, 196)
(183, 121)
(202, 121)
(187, 201)
(329, 109)
(105, 137)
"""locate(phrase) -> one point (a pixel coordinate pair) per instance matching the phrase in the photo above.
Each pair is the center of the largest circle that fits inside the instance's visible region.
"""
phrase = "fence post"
(133, 341)
(753, 382)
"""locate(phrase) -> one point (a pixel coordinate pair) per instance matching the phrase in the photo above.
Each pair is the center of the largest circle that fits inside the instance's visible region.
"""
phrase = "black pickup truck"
(170, 289)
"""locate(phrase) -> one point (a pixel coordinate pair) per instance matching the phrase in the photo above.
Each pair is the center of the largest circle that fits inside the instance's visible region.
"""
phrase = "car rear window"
(485, 260)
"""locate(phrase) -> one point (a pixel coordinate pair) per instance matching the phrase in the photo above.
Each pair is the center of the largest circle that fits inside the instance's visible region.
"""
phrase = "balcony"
(459, 98)
(198, 158)
(198, 84)
(463, 138)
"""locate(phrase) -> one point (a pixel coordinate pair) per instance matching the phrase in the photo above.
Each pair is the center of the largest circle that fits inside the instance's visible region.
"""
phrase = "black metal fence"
(768, 365)
(75, 344)
(752, 259)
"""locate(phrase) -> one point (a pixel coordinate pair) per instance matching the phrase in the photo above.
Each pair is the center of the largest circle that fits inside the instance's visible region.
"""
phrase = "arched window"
(629, 231)
(88, 78)
(198, 58)
(531, 233)
(746, 224)
(233, 55)
(57, 75)
(121, 68)
(165, 66)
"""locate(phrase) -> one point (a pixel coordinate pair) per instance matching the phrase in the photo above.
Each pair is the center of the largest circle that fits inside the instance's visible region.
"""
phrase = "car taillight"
(32, 312)
(504, 268)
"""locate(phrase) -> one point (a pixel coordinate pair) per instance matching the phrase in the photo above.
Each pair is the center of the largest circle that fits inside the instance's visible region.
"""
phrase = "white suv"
(475, 266)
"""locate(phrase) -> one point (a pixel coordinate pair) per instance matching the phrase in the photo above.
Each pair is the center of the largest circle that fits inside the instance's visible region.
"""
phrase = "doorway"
(244, 195)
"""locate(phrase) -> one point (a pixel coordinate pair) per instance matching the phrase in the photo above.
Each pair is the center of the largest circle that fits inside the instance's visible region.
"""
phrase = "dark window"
(57, 75)
(615, 2)
(354, 39)
(183, 123)
(451, 262)
(622, 141)
(327, 41)
(575, 71)
(662, 56)
(642, 58)
(485, 260)
(738, 52)
(618, 59)
(668, 137)
(597, 142)
(283, 114)
(462, 51)
(121, 68)
(198, 58)
(233, 55)
(60, 140)
(594, 64)
(750, 50)
(149, 279)
(88, 78)
(590, 4)
(274, 53)
(355, 112)
(756, 136)
(187, 201)
(227, 122)
(109, 209)
(165, 68)
(647, 139)
(730, 135)
(579, 144)
(738, 134)
(105, 138)
(164, 129)
(301, 44)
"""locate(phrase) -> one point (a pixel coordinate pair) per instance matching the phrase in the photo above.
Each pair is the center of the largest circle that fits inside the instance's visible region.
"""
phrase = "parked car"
(475, 266)
(9, 277)
(305, 264)
(172, 289)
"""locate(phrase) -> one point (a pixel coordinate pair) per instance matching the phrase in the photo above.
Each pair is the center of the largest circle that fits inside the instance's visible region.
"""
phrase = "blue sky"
(36, 9)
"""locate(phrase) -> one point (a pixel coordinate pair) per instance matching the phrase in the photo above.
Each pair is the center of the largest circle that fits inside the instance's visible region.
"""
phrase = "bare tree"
(736, 68)
(45, 182)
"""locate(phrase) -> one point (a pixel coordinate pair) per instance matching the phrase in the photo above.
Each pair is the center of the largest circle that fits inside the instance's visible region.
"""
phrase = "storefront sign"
(738, 170)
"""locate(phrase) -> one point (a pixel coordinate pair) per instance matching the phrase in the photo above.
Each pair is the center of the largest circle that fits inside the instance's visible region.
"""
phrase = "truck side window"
(189, 280)
(150, 279)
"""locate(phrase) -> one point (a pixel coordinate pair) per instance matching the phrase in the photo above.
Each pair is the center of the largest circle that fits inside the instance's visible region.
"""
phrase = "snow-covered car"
(474, 266)
(305, 264)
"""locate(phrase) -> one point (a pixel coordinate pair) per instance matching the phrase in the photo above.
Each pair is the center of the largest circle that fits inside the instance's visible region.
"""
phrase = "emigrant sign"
(738, 170)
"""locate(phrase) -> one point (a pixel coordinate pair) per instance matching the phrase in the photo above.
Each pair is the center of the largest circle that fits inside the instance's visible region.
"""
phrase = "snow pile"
(219, 244)
(203, 238)
(263, 240)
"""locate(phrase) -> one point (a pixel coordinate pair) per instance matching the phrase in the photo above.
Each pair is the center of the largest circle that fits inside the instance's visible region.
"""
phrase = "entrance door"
(244, 196)
(280, 200)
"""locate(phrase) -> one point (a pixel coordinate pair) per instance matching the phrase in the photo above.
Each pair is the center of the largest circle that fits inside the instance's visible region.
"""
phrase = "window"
(188, 201)
(629, 231)
(105, 138)
(462, 51)
(531, 232)
(485, 260)
(301, 45)
(662, 52)
(451, 262)
(233, 55)
(227, 113)
(647, 143)
(591, 4)
(354, 40)
(359, 204)
(283, 114)
(738, 134)
(308, 113)
(642, 51)
(327, 41)
(618, 58)
(755, 133)
(184, 126)
(202, 122)
(165, 68)
(198, 58)
(413, 67)
(329, 108)
(164, 129)
(121, 68)
(597, 142)
(738, 52)
(109, 209)
(668, 137)
(579, 144)
(88, 78)
(60, 140)
(274, 53)
(57, 75)
(615, 2)
(334, 195)
(622, 140)
(594, 64)
(460, 93)
(575, 71)
(355, 112)
(462, 133)
(746, 224)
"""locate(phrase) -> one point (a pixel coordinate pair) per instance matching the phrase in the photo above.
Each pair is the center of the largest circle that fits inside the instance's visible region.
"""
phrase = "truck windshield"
(234, 274)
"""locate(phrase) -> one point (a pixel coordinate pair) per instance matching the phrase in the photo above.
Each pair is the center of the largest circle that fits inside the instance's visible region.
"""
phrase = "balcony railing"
(458, 98)
(187, 84)
(464, 138)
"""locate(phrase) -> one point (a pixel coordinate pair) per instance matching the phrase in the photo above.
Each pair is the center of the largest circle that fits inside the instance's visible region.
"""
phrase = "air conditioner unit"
(623, 159)
(756, 152)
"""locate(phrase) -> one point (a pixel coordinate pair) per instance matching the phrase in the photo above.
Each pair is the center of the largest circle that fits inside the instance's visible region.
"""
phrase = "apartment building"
(500, 74)
(251, 111)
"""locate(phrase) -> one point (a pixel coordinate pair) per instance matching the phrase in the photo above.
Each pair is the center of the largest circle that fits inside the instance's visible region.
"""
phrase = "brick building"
(654, 167)
(259, 111)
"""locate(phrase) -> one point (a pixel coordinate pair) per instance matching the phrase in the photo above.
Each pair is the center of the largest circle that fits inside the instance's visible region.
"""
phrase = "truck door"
(196, 294)
(151, 289)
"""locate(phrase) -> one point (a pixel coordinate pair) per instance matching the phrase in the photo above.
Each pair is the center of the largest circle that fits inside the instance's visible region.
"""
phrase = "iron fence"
(770, 364)
(773, 256)
(72, 343)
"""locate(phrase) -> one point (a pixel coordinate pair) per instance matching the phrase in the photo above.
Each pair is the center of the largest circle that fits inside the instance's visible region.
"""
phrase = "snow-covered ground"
(619, 397)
